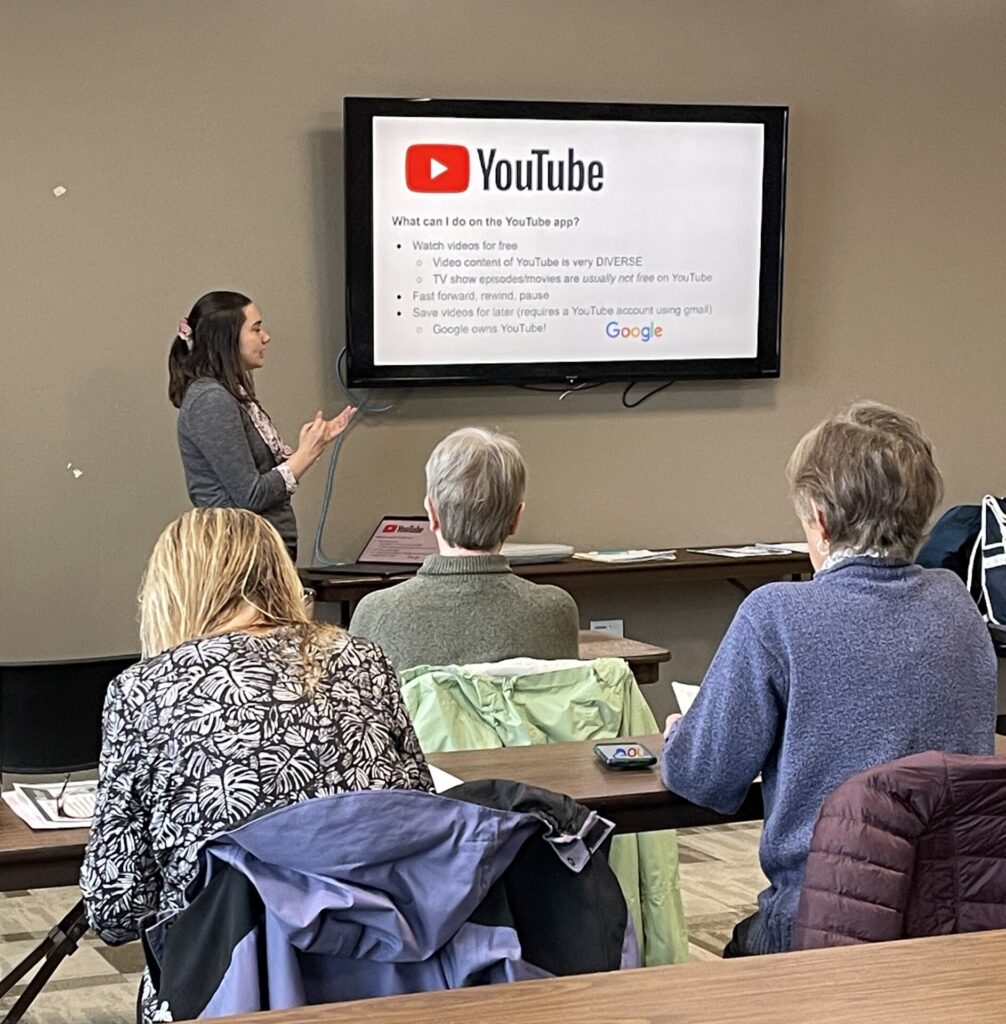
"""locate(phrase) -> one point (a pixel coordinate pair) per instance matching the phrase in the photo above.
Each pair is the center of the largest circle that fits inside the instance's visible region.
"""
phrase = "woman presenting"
(232, 453)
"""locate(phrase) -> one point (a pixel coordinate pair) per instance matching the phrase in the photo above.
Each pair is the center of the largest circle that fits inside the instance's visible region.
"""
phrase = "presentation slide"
(499, 240)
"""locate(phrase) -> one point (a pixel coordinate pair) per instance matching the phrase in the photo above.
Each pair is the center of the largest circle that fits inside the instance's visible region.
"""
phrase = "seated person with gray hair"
(464, 604)
(873, 659)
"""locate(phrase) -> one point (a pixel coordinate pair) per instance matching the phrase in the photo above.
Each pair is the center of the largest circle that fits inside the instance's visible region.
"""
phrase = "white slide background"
(681, 200)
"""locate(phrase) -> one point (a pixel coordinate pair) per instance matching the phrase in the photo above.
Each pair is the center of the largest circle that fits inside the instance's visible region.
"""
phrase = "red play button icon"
(436, 167)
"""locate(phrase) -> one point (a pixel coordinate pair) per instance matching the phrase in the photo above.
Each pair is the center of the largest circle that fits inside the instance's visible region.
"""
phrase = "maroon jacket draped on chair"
(911, 848)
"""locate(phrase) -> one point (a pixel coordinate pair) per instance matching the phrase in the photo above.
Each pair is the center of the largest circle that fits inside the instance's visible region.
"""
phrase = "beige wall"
(200, 146)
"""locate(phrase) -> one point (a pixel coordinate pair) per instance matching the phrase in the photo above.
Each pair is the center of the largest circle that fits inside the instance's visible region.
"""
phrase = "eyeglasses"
(61, 803)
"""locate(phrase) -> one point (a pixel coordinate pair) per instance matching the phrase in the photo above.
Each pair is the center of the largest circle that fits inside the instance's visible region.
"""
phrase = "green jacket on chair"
(519, 703)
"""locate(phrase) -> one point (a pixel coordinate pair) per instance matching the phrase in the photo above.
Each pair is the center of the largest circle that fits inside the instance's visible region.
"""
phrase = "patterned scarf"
(266, 428)
(841, 554)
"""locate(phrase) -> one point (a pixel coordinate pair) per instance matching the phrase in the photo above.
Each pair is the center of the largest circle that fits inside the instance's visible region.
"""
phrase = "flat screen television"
(512, 242)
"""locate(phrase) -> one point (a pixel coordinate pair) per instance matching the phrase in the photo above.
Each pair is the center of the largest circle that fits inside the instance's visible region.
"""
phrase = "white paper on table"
(35, 805)
(747, 551)
(798, 547)
(754, 550)
(443, 780)
(78, 800)
(631, 555)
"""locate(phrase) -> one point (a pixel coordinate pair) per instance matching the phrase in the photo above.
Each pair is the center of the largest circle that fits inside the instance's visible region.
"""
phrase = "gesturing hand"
(336, 425)
(669, 724)
(314, 436)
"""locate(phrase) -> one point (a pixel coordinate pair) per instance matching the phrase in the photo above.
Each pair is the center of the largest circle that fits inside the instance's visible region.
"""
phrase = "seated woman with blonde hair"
(240, 704)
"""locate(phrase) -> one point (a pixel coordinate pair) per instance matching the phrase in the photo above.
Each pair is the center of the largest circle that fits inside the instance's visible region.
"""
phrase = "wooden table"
(38, 860)
(636, 801)
(954, 979)
(644, 659)
(574, 573)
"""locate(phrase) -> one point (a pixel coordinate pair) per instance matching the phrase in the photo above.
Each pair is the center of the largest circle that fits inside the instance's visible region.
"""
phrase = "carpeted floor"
(97, 985)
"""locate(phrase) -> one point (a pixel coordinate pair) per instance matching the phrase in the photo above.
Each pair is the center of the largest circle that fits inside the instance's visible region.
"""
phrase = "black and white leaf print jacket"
(199, 737)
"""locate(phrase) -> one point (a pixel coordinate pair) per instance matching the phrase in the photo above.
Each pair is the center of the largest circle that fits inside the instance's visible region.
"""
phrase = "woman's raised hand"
(314, 436)
(338, 424)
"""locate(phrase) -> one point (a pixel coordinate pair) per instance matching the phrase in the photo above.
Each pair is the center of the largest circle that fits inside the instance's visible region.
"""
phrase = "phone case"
(647, 760)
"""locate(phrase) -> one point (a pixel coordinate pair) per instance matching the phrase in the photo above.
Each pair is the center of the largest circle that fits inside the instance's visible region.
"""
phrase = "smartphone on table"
(622, 756)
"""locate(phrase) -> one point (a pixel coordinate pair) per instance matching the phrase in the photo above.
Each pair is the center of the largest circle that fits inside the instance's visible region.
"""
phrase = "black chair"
(50, 724)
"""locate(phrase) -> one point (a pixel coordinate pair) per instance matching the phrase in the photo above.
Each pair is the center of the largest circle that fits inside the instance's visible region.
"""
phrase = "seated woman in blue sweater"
(873, 659)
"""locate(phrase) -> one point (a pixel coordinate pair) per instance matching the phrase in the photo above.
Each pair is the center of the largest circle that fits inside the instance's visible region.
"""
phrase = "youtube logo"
(436, 167)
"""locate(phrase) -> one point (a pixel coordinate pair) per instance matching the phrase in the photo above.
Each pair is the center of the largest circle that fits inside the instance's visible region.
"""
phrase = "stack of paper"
(753, 550)
(632, 555)
(36, 805)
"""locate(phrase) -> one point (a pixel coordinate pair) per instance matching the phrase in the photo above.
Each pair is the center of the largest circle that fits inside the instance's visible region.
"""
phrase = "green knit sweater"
(464, 609)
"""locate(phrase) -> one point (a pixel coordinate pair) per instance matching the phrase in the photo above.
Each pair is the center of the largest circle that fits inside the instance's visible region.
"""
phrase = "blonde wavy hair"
(213, 565)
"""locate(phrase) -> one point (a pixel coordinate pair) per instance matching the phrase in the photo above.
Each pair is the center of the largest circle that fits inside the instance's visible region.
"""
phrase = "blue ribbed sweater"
(869, 661)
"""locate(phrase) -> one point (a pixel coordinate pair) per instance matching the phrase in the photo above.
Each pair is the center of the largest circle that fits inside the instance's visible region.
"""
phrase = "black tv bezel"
(358, 114)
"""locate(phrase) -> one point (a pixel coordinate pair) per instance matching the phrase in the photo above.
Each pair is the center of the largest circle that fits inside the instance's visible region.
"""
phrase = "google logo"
(628, 752)
(613, 329)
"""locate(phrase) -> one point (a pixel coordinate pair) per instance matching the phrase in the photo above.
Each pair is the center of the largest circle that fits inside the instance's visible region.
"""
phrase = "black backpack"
(970, 540)
(952, 540)
(987, 569)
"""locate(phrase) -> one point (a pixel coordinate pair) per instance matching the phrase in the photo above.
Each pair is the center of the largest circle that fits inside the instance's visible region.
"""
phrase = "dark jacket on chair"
(382, 892)
(911, 848)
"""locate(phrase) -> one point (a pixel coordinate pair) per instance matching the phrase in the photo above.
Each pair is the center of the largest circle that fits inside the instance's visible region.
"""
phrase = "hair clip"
(185, 332)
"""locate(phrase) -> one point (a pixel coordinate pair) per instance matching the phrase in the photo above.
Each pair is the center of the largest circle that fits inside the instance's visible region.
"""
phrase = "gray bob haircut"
(475, 481)
(870, 470)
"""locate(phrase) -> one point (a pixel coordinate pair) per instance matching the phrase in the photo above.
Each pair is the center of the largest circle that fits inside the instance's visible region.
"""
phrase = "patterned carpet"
(720, 881)
(97, 985)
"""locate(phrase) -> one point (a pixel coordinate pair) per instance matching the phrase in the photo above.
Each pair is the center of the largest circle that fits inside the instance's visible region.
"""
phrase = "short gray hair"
(475, 482)
(870, 469)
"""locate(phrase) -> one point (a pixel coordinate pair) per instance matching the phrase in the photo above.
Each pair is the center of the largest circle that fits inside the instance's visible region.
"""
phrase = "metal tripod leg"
(60, 943)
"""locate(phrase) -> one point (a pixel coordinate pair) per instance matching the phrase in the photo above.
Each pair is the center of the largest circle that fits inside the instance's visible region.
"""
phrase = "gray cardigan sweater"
(462, 609)
(227, 464)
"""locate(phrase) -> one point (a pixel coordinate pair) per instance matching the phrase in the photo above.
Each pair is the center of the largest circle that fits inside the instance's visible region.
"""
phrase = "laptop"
(398, 546)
